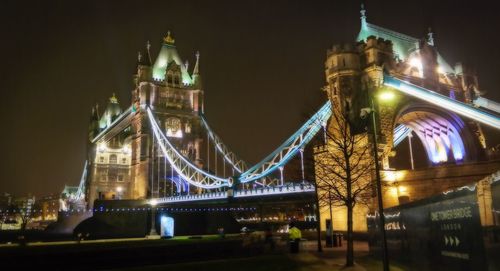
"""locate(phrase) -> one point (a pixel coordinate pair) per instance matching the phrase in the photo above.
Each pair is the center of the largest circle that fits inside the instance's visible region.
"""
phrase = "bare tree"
(26, 212)
(343, 166)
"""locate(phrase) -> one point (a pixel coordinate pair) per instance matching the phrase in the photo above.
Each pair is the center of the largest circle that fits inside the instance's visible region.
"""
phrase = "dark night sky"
(261, 63)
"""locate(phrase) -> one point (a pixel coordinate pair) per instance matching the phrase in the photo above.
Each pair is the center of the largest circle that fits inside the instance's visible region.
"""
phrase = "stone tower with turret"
(125, 162)
(354, 76)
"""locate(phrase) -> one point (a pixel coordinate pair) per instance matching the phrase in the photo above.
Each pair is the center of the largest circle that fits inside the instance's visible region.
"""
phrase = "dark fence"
(442, 232)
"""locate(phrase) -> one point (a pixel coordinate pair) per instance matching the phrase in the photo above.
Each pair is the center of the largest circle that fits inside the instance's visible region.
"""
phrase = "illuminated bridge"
(162, 147)
(184, 173)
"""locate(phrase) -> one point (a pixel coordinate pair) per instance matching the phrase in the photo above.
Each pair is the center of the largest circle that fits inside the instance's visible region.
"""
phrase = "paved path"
(330, 258)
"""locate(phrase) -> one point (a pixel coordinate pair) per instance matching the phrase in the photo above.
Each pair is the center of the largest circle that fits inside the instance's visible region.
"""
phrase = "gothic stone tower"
(354, 74)
(121, 147)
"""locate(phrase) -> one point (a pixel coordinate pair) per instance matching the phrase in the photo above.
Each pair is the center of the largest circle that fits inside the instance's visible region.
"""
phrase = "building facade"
(124, 161)
(354, 75)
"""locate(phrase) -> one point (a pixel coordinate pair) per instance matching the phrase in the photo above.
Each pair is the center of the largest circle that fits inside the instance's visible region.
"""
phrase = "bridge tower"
(125, 162)
(354, 76)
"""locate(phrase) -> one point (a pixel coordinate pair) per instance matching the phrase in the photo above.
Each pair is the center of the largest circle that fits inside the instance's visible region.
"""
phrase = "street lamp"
(152, 232)
(385, 96)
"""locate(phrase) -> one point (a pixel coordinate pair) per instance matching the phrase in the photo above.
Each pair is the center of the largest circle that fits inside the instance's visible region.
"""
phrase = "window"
(176, 80)
(173, 127)
(104, 177)
(120, 178)
(112, 159)
(101, 159)
(112, 178)
(124, 160)
(169, 78)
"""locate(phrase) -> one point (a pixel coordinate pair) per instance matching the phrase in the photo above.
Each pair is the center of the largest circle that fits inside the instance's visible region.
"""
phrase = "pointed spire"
(363, 15)
(97, 108)
(148, 52)
(430, 37)
(186, 64)
(196, 66)
(168, 39)
(113, 99)
(94, 115)
(139, 57)
(196, 78)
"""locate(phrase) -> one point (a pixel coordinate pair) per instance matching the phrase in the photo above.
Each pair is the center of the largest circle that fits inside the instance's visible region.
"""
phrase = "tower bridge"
(162, 147)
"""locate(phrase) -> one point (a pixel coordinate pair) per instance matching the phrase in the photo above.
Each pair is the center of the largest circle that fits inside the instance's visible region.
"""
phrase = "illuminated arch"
(444, 136)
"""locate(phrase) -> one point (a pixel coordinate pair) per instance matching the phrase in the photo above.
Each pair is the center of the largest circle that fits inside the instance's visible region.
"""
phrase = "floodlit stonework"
(455, 146)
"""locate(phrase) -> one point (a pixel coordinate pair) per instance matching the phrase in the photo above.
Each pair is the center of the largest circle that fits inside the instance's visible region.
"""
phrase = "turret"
(343, 70)
(144, 68)
(363, 16)
(94, 122)
(378, 51)
(468, 80)
(112, 111)
(196, 72)
(428, 58)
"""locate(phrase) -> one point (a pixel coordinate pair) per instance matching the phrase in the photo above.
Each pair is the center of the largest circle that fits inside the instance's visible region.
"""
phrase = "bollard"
(329, 240)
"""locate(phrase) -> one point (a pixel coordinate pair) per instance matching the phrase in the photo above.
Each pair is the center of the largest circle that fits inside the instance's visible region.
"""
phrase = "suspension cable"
(164, 176)
(152, 166)
(302, 164)
(208, 153)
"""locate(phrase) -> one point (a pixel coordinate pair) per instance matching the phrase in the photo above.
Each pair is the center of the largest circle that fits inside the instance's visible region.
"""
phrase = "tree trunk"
(350, 247)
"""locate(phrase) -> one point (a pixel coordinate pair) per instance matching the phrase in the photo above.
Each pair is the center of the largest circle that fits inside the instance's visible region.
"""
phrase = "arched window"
(112, 159)
(177, 80)
(170, 78)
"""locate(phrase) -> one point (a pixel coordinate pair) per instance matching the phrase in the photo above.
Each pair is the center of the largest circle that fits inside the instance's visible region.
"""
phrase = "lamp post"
(152, 232)
(385, 257)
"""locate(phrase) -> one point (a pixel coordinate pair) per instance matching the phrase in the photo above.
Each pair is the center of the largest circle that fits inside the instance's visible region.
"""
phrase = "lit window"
(173, 127)
(113, 159)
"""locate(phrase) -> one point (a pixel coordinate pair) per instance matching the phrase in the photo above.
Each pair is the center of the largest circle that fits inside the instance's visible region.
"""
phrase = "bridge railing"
(284, 189)
(194, 197)
(255, 192)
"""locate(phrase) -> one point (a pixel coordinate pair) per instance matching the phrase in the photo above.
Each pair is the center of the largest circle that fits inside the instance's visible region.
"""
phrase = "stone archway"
(446, 138)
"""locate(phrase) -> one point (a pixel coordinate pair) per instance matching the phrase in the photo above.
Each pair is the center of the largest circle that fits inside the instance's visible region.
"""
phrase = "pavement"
(334, 258)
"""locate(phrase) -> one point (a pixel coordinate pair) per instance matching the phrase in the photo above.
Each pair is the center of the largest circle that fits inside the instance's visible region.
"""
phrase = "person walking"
(294, 235)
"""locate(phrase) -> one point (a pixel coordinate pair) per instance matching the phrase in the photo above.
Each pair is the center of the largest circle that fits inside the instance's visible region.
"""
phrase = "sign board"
(442, 232)
(167, 227)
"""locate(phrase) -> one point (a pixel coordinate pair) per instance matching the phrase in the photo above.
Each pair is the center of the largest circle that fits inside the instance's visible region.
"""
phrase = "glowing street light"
(371, 111)
(386, 96)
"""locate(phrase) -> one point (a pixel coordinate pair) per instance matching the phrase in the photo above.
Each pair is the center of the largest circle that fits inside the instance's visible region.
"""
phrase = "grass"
(109, 244)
